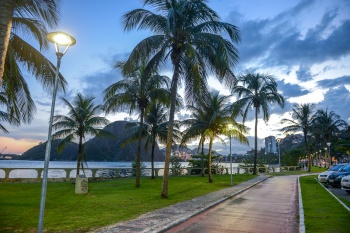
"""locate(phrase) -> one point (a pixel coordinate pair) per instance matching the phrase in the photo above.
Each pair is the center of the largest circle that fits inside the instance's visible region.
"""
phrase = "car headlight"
(341, 176)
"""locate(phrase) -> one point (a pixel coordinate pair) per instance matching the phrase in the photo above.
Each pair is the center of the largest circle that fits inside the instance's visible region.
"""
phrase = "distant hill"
(104, 149)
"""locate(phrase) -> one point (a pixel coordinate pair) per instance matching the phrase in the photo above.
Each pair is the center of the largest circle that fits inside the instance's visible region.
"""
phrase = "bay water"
(24, 167)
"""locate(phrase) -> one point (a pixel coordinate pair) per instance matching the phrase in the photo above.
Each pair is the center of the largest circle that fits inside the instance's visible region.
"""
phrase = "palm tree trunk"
(256, 141)
(169, 142)
(202, 172)
(209, 161)
(80, 154)
(138, 155)
(152, 157)
(6, 13)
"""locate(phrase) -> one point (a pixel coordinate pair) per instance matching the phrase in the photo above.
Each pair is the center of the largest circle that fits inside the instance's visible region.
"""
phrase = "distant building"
(270, 145)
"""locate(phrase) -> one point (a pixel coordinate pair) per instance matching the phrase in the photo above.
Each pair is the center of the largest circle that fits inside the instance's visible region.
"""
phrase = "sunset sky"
(305, 45)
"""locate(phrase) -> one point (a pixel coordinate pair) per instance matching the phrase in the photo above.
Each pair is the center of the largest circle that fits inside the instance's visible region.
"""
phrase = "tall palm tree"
(31, 17)
(136, 91)
(211, 120)
(256, 91)
(20, 20)
(302, 118)
(155, 130)
(326, 124)
(82, 120)
(189, 33)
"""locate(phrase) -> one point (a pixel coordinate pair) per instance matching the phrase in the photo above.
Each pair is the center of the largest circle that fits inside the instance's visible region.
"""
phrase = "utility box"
(81, 184)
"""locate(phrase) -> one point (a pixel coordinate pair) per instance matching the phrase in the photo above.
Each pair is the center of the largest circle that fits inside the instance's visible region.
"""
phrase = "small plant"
(177, 169)
(142, 167)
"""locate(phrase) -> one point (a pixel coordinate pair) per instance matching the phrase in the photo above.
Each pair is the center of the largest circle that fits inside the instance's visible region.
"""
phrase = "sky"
(304, 44)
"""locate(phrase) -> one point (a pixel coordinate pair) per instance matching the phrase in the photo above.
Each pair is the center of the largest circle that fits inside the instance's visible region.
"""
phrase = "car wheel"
(348, 191)
(334, 186)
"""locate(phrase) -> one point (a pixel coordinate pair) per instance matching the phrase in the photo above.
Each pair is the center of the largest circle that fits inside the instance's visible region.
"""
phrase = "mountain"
(110, 149)
(97, 149)
(69, 153)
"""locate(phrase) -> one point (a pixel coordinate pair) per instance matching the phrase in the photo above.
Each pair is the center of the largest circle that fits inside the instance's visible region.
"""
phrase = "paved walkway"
(252, 206)
(268, 207)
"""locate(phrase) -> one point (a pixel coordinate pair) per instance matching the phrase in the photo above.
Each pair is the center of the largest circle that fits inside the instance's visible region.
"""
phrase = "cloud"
(327, 83)
(291, 90)
(281, 41)
(338, 100)
(304, 73)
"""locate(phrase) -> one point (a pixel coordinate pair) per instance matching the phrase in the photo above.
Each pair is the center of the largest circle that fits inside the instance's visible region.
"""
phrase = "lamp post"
(320, 155)
(329, 153)
(229, 130)
(62, 42)
(325, 157)
(279, 153)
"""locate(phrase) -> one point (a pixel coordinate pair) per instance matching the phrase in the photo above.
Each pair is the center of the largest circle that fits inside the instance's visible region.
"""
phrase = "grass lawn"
(107, 202)
(323, 213)
(299, 172)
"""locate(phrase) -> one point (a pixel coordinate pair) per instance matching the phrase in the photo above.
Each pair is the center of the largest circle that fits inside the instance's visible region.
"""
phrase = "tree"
(155, 129)
(325, 125)
(189, 33)
(258, 91)
(212, 117)
(19, 20)
(82, 120)
(302, 120)
(136, 91)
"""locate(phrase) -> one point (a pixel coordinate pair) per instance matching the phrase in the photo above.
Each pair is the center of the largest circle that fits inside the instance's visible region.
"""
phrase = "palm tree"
(136, 91)
(302, 120)
(326, 124)
(155, 130)
(6, 116)
(27, 19)
(256, 91)
(212, 117)
(30, 17)
(189, 33)
(82, 120)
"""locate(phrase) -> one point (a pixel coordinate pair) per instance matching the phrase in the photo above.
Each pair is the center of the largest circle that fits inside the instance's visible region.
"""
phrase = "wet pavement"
(270, 206)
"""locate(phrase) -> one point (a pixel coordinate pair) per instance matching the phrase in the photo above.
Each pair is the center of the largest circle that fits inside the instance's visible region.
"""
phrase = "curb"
(342, 203)
(301, 210)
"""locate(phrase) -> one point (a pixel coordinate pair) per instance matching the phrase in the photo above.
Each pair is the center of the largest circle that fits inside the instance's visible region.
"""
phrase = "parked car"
(345, 183)
(334, 179)
(322, 177)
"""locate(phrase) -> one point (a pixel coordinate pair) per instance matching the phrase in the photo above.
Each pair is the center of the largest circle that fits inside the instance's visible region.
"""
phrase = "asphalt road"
(270, 206)
(338, 192)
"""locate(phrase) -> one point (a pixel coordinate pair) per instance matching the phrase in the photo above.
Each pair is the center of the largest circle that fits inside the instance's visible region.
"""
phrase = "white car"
(322, 177)
(345, 183)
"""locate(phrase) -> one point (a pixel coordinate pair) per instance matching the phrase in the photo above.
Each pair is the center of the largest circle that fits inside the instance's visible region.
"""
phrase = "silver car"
(345, 183)
(322, 177)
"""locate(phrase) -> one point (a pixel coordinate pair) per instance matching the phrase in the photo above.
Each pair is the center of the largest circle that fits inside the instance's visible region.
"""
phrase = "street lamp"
(325, 157)
(230, 126)
(62, 41)
(329, 153)
(279, 153)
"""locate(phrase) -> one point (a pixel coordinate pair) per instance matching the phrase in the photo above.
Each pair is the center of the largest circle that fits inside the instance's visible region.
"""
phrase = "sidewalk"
(168, 217)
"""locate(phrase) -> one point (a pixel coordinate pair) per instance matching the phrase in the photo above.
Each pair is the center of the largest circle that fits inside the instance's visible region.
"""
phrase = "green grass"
(106, 203)
(299, 172)
(323, 213)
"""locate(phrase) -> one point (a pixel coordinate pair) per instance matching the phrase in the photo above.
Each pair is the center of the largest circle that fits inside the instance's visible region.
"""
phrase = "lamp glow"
(61, 38)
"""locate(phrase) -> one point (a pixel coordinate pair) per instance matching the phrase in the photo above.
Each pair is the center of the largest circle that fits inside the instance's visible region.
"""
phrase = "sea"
(24, 167)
